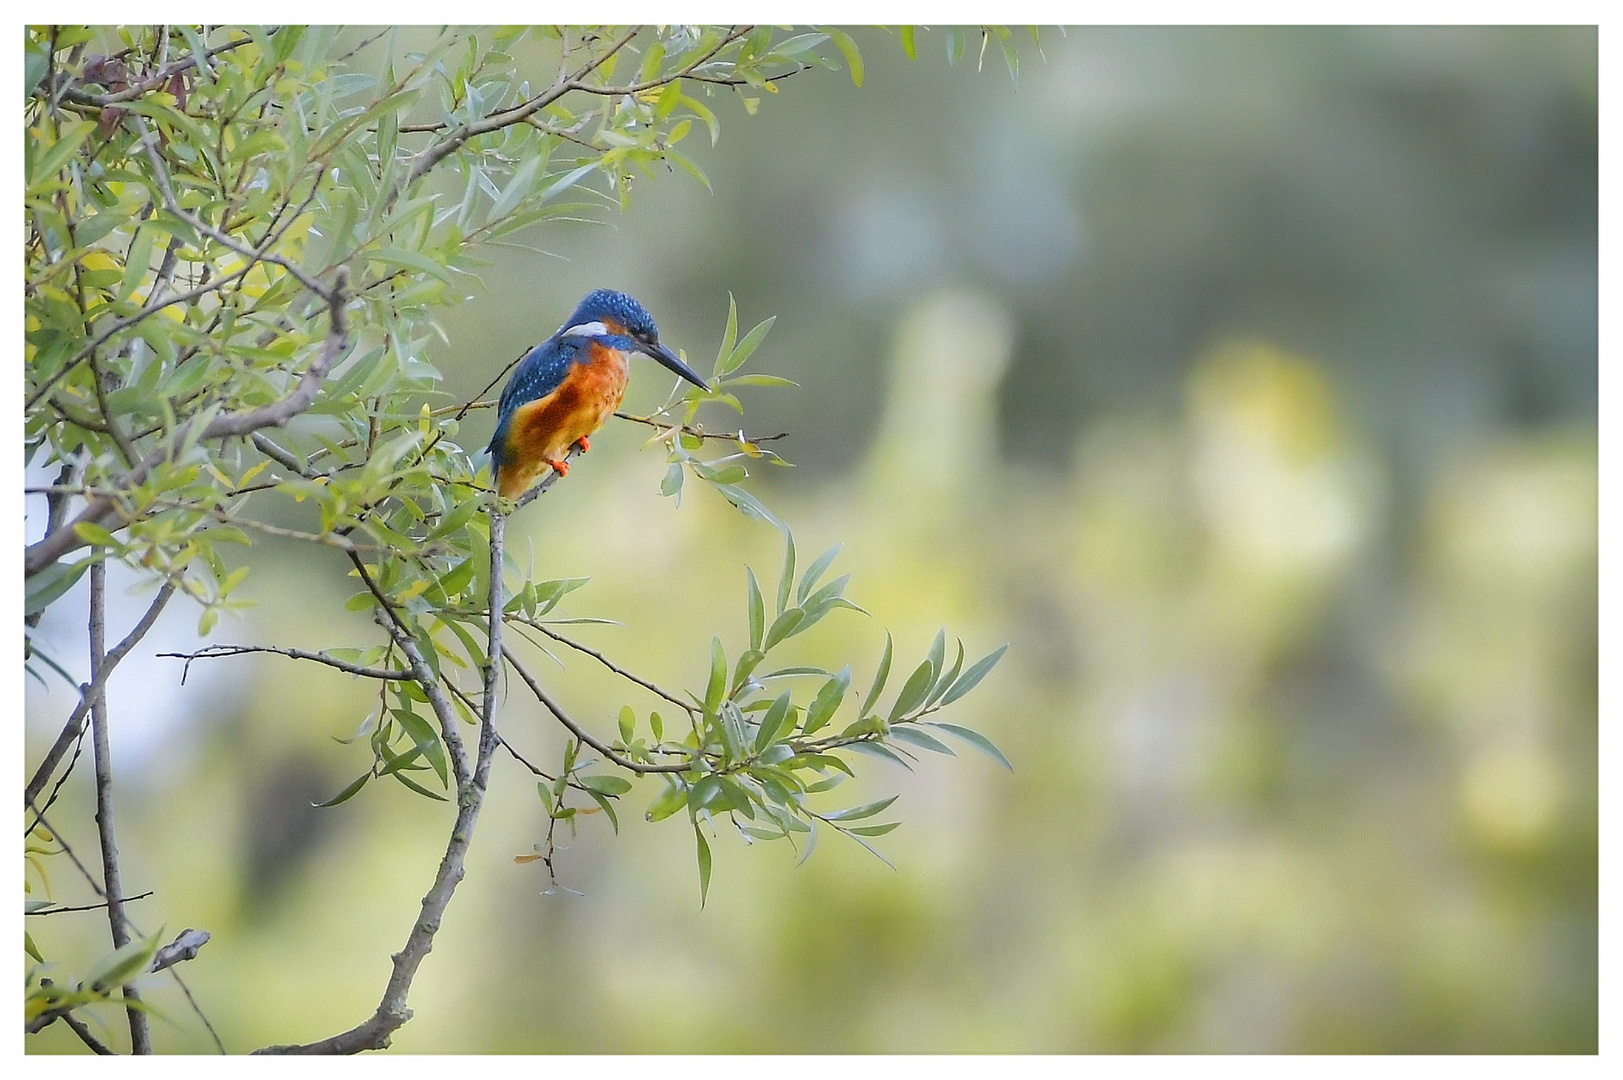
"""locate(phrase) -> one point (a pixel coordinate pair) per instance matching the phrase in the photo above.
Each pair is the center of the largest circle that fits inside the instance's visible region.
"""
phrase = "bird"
(567, 386)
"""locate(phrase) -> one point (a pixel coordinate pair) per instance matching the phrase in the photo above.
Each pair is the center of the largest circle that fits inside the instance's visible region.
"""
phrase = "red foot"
(560, 467)
(583, 444)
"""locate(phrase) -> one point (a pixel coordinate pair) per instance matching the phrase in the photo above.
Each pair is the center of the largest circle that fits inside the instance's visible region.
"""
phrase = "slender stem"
(85, 907)
(140, 1030)
(606, 662)
(581, 733)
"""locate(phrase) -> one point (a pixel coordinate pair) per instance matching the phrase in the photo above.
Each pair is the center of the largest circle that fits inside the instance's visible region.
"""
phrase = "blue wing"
(540, 373)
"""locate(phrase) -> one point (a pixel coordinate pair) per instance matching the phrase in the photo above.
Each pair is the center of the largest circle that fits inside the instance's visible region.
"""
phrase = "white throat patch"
(588, 329)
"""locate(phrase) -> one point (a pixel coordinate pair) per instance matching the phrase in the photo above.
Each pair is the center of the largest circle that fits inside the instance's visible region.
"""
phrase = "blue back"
(544, 368)
(540, 373)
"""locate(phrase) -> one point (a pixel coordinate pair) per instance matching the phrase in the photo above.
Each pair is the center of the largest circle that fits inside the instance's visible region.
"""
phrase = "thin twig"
(212, 651)
(86, 907)
(611, 665)
(81, 1030)
(699, 432)
(581, 733)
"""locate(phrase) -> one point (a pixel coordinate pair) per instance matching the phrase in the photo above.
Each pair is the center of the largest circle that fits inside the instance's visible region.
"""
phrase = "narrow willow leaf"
(873, 749)
(878, 679)
(704, 865)
(718, 677)
(809, 579)
(865, 810)
(772, 724)
(848, 49)
(937, 655)
(348, 792)
(827, 702)
(608, 809)
(946, 680)
(757, 610)
(907, 43)
(787, 579)
(784, 626)
(729, 336)
(977, 740)
(873, 830)
(910, 734)
(977, 671)
(913, 691)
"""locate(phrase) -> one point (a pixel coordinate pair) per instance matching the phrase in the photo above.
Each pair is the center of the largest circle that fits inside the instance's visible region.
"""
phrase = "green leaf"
(977, 740)
(729, 335)
(878, 679)
(628, 724)
(123, 964)
(672, 483)
(70, 137)
(873, 749)
(873, 830)
(815, 571)
(704, 865)
(736, 358)
(913, 691)
(946, 679)
(750, 505)
(668, 802)
(424, 738)
(348, 792)
(522, 184)
(772, 724)
(865, 810)
(827, 702)
(606, 784)
(909, 734)
(718, 677)
(757, 609)
(848, 49)
(784, 626)
(608, 809)
(907, 43)
(787, 579)
(43, 589)
(977, 671)
(937, 655)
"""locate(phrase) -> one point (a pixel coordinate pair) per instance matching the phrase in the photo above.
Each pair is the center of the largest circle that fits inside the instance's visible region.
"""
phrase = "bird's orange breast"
(544, 429)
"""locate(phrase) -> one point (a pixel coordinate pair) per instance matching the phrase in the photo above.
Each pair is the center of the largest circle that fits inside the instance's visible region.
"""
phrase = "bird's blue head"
(608, 313)
(616, 311)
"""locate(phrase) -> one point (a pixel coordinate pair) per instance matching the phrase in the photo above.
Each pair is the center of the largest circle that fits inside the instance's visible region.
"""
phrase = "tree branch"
(392, 1012)
(85, 907)
(581, 733)
(606, 662)
(140, 1029)
(212, 651)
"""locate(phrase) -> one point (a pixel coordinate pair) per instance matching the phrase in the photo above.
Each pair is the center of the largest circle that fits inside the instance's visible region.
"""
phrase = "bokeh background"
(1244, 380)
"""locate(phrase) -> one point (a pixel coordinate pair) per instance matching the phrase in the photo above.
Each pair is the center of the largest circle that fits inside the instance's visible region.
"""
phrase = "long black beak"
(674, 362)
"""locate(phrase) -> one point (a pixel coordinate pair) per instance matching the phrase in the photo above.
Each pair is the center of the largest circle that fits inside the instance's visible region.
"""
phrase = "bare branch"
(581, 733)
(113, 890)
(79, 1029)
(606, 662)
(700, 432)
(212, 651)
(87, 907)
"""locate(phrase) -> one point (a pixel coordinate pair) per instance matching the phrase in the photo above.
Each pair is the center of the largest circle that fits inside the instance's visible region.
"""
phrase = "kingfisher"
(567, 386)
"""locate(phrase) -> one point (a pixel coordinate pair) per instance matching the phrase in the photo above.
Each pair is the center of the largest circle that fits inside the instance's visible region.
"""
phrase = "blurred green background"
(1243, 379)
